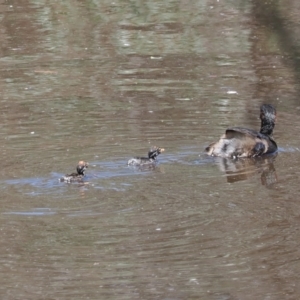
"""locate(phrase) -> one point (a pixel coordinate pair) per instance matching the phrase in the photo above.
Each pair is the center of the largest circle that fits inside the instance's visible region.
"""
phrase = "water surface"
(104, 81)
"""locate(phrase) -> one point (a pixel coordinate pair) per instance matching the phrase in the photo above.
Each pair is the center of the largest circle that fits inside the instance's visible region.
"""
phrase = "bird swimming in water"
(146, 161)
(243, 142)
(78, 176)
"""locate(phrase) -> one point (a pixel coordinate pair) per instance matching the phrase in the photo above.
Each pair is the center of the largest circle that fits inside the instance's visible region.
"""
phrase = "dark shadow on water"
(270, 14)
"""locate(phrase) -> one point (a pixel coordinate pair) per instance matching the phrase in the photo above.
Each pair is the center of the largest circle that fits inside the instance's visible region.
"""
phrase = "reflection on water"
(102, 81)
(242, 169)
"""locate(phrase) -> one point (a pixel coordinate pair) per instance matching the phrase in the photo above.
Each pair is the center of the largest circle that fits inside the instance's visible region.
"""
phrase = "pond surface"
(103, 81)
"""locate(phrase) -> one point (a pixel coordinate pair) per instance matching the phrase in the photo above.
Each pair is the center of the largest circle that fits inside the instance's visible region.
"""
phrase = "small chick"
(76, 177)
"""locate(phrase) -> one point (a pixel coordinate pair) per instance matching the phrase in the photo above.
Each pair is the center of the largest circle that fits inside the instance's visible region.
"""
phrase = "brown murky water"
(102, 81)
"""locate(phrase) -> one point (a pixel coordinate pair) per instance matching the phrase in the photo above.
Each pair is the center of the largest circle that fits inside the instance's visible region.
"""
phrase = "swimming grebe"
(76, 177)
(146, 161)
(243, 142)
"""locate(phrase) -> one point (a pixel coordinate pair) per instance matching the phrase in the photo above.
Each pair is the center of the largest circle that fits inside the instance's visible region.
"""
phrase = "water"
(103, 81)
